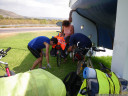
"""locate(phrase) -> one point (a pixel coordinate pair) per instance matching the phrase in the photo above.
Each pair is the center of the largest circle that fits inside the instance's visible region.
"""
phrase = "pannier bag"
(103, 84)
(37, 82)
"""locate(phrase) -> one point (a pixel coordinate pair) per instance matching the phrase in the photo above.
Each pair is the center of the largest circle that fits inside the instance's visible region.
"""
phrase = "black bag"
(73, 83)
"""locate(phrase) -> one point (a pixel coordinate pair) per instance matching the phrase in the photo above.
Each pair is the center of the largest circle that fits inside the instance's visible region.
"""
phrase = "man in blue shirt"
(36, 47)
(82, 41)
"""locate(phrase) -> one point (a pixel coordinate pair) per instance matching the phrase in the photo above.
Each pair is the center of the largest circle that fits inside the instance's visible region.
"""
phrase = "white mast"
(120, 50)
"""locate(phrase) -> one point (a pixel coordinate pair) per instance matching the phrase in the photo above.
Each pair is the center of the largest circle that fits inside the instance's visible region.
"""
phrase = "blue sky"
(37, 8)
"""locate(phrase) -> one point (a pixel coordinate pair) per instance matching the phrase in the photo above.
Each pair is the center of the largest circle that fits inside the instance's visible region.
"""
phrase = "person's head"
(53, 41)
(66, 23)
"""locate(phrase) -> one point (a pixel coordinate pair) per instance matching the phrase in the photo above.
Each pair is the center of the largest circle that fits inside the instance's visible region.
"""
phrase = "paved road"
(28, 29)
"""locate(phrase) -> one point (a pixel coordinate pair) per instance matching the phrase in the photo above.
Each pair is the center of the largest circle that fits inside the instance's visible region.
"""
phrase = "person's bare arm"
(47, 52)
(70, 49)
(72, 29)
(41, 53)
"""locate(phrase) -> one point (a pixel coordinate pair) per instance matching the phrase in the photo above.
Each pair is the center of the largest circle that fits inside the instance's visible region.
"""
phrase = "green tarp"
(32, 83)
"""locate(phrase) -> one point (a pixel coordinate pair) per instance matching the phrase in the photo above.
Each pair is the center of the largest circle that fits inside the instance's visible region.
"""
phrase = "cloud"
(37, 8)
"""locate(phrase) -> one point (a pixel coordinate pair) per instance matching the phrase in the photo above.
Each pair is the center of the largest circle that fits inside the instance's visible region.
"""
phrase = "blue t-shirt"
(38, 42)
(79, 37)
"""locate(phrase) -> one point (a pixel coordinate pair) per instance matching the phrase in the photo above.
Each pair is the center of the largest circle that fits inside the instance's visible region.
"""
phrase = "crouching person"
(36, 47)
(82, 41)
(61, 45)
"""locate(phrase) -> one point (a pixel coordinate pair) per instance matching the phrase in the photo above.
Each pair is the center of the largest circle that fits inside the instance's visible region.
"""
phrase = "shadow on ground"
(25, 64)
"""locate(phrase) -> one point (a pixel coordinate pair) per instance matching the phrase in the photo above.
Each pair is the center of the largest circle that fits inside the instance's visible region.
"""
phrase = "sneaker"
(42, 68)
(48, 66)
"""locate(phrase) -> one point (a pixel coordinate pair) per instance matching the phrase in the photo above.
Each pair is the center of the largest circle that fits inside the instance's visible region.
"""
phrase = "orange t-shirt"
(61, 42)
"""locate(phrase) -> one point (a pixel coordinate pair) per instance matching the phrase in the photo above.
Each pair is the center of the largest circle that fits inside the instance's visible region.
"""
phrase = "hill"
(11, 18)
(9, 14)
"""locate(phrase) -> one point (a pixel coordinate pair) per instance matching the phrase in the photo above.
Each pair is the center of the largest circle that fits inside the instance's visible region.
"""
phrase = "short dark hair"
(66, 23)
(55, 41)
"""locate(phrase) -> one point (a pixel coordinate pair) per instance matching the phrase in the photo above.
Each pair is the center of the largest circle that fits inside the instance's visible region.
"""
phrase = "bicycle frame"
(8, 71)
(76, 54)
(89, 62)
(82, 63)
(6, 68)
(3, 54)
(90, 53)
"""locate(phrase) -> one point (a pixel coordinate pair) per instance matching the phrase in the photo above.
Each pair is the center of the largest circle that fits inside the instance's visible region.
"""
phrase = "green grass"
(21, 60)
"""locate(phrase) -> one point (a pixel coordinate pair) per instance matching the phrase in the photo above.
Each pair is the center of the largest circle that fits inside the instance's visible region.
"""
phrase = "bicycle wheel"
(58, 59)
(79, 66)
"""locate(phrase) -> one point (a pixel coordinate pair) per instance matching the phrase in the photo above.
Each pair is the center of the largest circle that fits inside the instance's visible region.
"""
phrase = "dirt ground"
(4, 35)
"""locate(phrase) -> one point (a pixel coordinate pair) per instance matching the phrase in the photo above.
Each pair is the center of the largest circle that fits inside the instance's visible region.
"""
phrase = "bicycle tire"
(58, 60)
(79, 65)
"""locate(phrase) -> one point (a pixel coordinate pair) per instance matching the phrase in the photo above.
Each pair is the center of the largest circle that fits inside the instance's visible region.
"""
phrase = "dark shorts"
(36, 52)
(85, 51)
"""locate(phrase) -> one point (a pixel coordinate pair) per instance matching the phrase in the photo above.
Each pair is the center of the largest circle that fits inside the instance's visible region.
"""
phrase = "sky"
(37, 8)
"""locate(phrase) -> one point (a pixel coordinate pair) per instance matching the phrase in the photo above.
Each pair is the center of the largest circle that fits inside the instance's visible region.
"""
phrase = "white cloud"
(37, 8)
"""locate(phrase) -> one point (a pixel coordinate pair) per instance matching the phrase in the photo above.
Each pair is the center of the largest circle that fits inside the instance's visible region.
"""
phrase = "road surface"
(28, 29)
